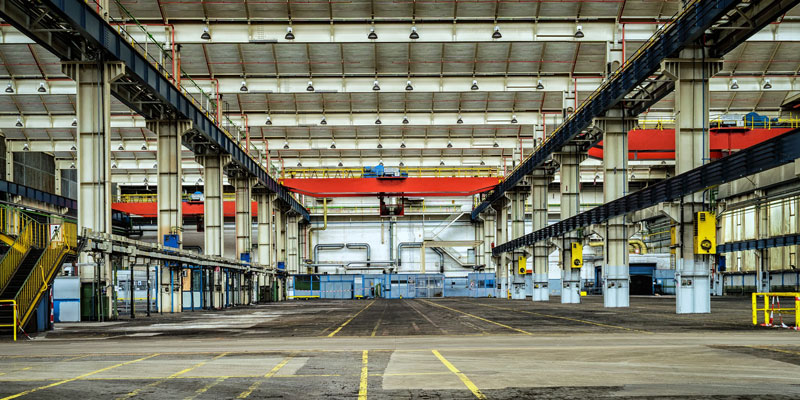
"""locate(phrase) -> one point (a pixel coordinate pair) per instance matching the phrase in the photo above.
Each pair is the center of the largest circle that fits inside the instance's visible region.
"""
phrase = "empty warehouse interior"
(399, 199)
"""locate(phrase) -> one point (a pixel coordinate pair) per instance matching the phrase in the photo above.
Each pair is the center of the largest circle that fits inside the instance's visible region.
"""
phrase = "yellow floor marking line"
(205, 388)
(567, 318)
(477, 317)
(173, 376)
(375, 329)
(266, 376)
(61, 382)
(362, 386)
(797, 353)
(351, 318)
(471, 386)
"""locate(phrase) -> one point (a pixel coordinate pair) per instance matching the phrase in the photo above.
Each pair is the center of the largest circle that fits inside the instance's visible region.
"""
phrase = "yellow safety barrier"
(29, 233)
(351, 172)
(13, 323)
(772, 306)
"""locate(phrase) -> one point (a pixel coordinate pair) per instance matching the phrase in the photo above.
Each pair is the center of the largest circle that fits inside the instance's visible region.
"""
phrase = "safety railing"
(30, 233)
(773, 311)
(153, 197)
(749, 123)
(13, 324)
(63, 241)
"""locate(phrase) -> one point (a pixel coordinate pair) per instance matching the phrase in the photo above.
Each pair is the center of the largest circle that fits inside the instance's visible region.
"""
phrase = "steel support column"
(169, 189)
(213, 220)
(616, 264)
(501, 261)
(692, 70)
(540, 181)
(517, 280)
(264, 218)
(570, 159)
(244, 219)
(489, 230)
(93, 108)
(293, 244)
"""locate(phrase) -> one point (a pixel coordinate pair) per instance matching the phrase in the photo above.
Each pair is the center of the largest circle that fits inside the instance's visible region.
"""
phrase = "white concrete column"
(691, 151)
(280, 231)
(264, 228)
(501, 237)
(517, 280)
(9, 163)
(93, 109)
(244, 218)
(489, 231)
(293, 244)
(616, 265)
(570, 159)
(540, 180)
(170, 189)
(213, 218)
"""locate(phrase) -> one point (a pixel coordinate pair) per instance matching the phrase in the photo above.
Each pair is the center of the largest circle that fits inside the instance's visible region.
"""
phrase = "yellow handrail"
(770, 309)
(13, 323)
(64, 241)
(351, 172)
(29, 232)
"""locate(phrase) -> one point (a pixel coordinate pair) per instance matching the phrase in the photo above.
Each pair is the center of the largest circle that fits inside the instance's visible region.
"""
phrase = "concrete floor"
(439, 348)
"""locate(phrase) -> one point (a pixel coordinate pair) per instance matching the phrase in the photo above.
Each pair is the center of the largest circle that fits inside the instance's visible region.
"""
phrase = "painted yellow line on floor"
(61, 382)
(362, 386)
(266, 376)
(375, 329)
(173, 376)
(471, 386)
(583, 321)
(797, 353)
(477, 317)
(205, 388)
(351, 318)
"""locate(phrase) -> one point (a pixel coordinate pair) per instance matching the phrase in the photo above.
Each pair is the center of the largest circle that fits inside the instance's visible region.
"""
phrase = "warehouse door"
(642, 279)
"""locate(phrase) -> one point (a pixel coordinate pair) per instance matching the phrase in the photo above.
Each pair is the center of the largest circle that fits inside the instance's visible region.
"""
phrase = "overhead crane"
(634, 83)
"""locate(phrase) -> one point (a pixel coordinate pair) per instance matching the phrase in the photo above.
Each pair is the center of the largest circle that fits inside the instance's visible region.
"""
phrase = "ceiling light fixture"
(299, 165)
(414, 35)
(459, 120)
(310, 87)
(72, 166)
(41, 88)
(449, 144)
(199, 181)
(19, 123)
(474, 84)
(514, 119)
(9, 88)
(495, 144)
(375, 85)
(408, 86)
(767, 84)
(74, 122)
(403, 145)
(73, 148)
(372, 35)
(144, 147)
(121, 147)
(269, 120)
(579, 32)
(289, 34)
(323, 121)
(244, 87)
(333, 144)
(482, 163)
(206, 35)
(114, 165)
(340, 164)
(378, 121)
(441, 163)
(402, 164)
(734, 84)
(285, 145)
(25, 147)
(496, 34)
(539, 85)
(380, 146)
(405, 120)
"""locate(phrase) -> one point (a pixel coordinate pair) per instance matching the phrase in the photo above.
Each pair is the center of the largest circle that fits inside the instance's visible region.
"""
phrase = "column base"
(541, 289)
(518, 288)
(616, 289)
(692, 288)
(503, 292)
(570, 286)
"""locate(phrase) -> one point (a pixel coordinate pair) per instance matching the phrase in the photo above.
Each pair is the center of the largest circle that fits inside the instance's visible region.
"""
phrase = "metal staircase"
(31, 263)
(434, 234)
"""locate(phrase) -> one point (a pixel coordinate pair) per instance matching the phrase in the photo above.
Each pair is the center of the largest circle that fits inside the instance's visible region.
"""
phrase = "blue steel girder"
(759, 244)
(686, 29)
(99, 36)
(761, 157)
(16, 189)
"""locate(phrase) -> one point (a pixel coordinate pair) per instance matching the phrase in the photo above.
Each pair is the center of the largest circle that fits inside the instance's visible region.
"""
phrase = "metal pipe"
(317, 248)
(363, 246)
(412, 245)
(441, 258)
(324, 225)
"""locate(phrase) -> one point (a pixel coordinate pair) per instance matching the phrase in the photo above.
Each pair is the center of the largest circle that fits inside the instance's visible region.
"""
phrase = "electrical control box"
(172, 240)
(522, 265)
(705, 233)
(577, 255)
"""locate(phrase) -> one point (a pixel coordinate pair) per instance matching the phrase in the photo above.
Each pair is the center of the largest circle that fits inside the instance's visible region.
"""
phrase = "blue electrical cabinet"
(281, 266)
(245, 257)
(172, 241)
